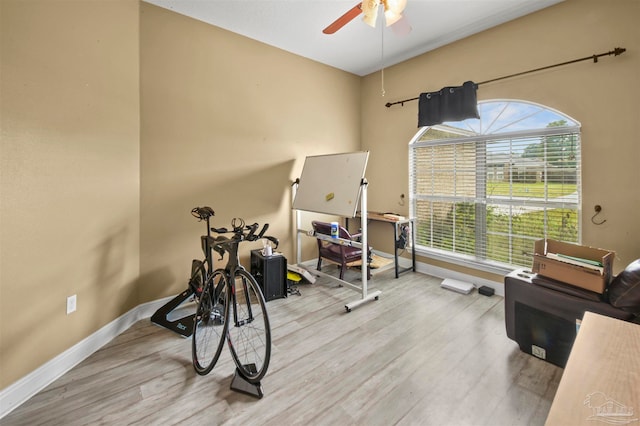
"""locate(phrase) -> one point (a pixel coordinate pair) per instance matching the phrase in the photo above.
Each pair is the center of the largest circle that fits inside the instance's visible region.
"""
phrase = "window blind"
(488, 198)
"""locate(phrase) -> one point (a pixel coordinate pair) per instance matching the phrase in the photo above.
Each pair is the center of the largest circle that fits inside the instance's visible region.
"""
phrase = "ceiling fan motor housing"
(392, 11)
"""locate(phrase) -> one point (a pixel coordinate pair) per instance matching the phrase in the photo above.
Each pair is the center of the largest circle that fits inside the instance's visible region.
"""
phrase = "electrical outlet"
(71, 304)
(538, 351)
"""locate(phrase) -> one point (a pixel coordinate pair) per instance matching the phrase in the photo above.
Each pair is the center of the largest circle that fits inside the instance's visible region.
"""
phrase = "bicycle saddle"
(202, 213)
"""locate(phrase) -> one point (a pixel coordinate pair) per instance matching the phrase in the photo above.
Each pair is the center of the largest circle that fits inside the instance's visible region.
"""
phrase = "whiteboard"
(331, 183)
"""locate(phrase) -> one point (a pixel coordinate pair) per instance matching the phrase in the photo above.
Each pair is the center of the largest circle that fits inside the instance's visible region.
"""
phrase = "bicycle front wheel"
(210, 326)
(249, 333)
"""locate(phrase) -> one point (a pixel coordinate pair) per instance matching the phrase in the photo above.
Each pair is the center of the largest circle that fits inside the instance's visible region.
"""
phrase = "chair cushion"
(624, 290)
(333, 251)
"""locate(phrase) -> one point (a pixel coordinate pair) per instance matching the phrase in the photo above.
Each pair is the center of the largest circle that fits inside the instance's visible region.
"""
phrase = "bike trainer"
(183, 326)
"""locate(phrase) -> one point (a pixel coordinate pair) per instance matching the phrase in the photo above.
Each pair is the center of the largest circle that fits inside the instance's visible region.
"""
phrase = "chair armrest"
(356, 237)
(566, 288)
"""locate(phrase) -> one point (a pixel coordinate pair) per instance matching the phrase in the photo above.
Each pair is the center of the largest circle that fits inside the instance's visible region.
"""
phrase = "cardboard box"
(579, 276)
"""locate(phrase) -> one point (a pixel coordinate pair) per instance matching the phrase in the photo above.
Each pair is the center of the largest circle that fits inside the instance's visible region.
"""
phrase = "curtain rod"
(616, 51)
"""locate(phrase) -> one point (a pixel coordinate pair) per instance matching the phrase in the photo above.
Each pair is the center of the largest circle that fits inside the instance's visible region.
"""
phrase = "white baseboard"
(443, 273)
(19, 392)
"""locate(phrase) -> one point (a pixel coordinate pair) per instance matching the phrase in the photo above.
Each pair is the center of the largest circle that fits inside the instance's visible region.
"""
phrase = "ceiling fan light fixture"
(391, 17)
(369, 8)
(395, 6)
(370, 11)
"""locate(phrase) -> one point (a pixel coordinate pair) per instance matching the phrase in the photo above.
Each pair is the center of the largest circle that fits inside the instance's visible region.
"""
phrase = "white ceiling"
(296, 26)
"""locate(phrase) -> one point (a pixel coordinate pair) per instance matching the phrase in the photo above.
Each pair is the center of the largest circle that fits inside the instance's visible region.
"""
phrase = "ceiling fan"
(392, 13)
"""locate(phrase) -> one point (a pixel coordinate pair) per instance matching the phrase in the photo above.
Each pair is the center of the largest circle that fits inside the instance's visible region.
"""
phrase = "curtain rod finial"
(619, 51)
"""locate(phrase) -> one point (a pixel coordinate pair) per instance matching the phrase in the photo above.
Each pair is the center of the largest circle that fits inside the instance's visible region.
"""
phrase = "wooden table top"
(601, 382)
(383, 217)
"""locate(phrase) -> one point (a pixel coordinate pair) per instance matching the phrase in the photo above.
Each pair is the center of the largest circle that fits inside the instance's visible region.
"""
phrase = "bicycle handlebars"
(263, 230)
(241, 232)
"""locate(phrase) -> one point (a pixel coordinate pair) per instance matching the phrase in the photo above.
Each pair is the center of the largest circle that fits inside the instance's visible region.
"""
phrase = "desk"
(601, 382)
(379, 217)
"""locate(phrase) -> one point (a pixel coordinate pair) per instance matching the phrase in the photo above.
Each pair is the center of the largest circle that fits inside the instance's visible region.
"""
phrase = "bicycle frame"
(205, 242)
(233, 265)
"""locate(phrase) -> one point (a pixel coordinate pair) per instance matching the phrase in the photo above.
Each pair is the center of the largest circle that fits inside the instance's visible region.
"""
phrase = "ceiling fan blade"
(402, 27)
(344, 19)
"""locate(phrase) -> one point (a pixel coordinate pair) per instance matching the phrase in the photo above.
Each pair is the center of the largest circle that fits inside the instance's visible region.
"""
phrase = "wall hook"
(597, 209)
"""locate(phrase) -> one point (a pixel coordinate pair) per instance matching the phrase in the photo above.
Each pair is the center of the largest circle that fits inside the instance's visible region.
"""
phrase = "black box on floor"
(486, 291)
(270, 273)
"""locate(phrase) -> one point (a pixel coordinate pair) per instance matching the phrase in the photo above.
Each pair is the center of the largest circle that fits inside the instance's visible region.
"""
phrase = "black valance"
(448, 104)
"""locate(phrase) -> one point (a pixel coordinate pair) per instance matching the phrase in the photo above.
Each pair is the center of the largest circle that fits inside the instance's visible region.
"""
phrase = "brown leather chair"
(541, 313)
(336, 252)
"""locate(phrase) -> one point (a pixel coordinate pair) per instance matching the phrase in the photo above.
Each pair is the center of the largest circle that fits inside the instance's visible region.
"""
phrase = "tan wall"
(101, 161)
(69, 213)
(227, 122)
(602, 96)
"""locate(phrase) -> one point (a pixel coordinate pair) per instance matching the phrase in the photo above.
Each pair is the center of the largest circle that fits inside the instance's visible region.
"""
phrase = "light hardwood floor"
(419, 355)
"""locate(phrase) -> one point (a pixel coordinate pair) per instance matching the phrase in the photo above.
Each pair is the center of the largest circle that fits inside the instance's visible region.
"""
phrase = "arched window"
(482, 191)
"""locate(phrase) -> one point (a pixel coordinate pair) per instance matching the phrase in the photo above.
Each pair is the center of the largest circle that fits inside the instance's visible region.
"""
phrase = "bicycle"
(200, 273)
(232, 308)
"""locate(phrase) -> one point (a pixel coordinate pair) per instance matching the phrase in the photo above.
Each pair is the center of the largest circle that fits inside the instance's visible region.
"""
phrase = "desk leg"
(395, 248)
(413, 245)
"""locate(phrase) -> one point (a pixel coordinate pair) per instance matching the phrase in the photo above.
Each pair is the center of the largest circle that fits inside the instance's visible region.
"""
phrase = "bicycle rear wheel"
(196, 282)
(210, 326)
(249, 333)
